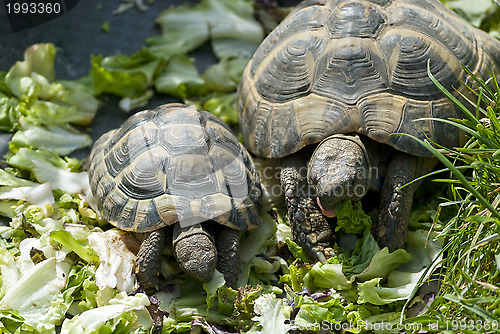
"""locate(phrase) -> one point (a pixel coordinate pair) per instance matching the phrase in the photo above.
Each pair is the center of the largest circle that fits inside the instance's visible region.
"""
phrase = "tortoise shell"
(338, 66)
(174, 164)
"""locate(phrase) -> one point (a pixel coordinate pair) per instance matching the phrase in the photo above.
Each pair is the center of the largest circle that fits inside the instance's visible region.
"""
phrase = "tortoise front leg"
(395, 202)
(149, 258)
(309, 226)
(227, 242)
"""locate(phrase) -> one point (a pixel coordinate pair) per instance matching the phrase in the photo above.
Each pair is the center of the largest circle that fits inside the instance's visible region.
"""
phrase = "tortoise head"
(338, 170)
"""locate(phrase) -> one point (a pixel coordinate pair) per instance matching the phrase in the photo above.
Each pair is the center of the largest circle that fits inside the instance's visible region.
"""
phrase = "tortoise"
(327, 88)
(177, 166)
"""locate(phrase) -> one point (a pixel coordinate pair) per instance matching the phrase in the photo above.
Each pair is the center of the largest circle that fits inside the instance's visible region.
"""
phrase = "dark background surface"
(78, 34)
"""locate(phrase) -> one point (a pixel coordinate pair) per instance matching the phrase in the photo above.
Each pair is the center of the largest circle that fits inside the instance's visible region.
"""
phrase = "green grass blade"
(495, 81)
(470, 131)
(473, 308)
(478, 103)
(480, 84)
(493, 119)
(478, 108)
(449, 95)
(435, 180)
(455, 172)
(489, 239)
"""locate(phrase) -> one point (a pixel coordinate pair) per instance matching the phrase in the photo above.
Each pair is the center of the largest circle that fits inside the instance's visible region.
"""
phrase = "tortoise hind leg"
(395, 202)
(195, 251)
(227, 242)
(149, 258)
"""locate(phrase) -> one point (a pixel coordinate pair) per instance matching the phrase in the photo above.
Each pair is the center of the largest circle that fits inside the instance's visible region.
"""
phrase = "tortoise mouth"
(327, 212)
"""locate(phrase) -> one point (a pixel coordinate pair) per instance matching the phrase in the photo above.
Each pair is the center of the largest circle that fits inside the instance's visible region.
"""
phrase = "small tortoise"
(178, 166)
(346, 75)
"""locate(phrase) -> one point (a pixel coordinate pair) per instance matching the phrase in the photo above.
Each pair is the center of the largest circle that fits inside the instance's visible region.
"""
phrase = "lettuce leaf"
(129, 103)
(47, 166)
(38, 58)
(222, 105)
(38, 194)
(62, 139)
(9, 113)
(228, 24)
(66, 239)
(124, 312)
(315, 312)
(33, 92)
(117, 263)
(130, 77)
(473, 12)
(327, 276)
(37, 296)
(255, 242)
(123, 83)
(351, 217)
(271, 315)
(180, 78)
(76, 107)
(211, 287)
(383, 263)
(12, 322)
(371, 292)
(225, 75)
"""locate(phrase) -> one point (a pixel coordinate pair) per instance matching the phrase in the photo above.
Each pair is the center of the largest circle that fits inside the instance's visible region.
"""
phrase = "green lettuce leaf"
(62, 139)
(47, 166)
(37, 296)
(65, 106)
(12, 322)
(33, 93)
(314, 314)
(222, 105)
(297, 251)
(327, 276)
(473, 12)
(10, 180)
(383, 263)
(371, 292)
(297, 272)
(180, 78)
(65, 238)
(229, 24)
(124, 82)
(39, 58)
(9, 114)
(255, 242)
(142, 61)
(122, 311)
(129, 103)
(225, 75)
(351, 217)
(211, 287)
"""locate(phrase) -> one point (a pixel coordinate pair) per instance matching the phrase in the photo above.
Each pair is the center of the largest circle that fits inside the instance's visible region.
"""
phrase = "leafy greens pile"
(165, 67)
(63, 266)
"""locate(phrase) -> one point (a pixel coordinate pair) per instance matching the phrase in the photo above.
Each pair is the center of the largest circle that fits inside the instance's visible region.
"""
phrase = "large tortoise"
(346, 75)
(178, 166)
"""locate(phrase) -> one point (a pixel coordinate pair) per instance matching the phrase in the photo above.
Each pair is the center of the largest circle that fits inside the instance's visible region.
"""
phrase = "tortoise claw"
(321, 257)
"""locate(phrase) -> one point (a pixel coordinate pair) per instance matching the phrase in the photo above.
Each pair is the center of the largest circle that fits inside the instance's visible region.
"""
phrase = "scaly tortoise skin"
(177, 166)
(358, 70)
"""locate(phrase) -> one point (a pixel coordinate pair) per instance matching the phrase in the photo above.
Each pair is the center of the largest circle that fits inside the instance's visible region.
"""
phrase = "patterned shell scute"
(337, 66)
(173, 164)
